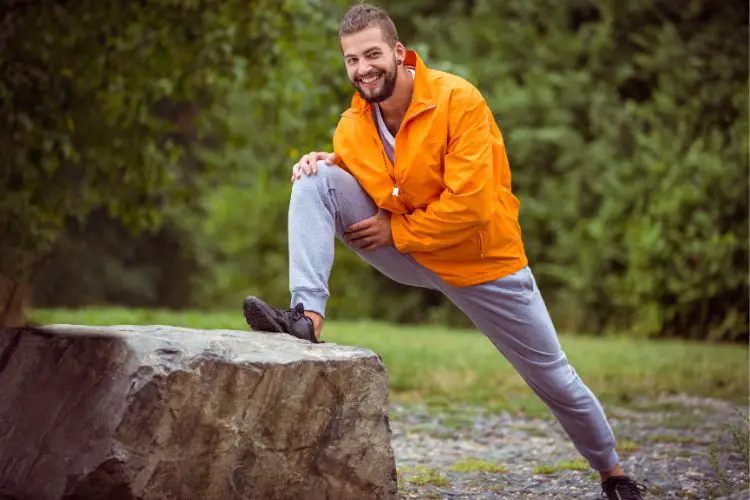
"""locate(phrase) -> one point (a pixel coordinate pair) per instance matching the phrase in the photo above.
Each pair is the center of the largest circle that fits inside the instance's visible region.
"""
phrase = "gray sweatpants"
(510, 311)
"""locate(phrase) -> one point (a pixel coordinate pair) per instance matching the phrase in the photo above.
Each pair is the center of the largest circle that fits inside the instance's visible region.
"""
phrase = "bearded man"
(419, 186)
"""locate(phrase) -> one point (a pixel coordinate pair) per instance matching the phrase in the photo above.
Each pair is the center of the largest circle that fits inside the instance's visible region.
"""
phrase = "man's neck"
(394, 108)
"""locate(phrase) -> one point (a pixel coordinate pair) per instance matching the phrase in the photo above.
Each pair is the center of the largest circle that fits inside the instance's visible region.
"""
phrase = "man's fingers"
(372, 244)
(296, 169)
(309, 163)
(362, 233)
(361, 224)
(305, 164)
(320, 155)
(365, 243)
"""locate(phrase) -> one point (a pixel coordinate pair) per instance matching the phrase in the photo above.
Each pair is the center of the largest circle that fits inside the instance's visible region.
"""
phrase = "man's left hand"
(371, 233)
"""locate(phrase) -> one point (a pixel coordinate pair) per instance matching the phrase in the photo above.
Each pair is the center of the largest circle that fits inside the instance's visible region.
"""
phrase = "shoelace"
(627, 489)
(297, 312)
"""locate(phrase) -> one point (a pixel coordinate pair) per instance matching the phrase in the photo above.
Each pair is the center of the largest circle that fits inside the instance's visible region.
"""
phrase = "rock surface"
(156, 412)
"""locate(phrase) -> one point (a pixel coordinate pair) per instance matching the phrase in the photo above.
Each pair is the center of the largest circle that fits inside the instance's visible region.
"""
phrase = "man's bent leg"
(322, 207)
(512, 313)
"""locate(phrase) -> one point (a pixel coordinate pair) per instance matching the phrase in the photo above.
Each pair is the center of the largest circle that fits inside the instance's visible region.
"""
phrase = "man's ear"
(400, 52)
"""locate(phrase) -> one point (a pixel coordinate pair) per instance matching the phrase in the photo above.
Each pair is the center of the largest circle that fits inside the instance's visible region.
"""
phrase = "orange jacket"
(455, 212)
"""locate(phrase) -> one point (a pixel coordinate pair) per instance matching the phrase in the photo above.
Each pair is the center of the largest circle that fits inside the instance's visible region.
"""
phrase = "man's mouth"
(370, 80)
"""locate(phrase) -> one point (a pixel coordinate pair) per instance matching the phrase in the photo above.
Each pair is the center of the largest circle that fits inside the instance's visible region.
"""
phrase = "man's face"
(371, 64)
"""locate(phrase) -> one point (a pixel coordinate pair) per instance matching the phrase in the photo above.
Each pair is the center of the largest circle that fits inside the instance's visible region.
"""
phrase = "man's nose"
(364, 68)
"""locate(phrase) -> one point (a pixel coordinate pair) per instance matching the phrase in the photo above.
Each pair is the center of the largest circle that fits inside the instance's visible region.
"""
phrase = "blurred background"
(147, 148)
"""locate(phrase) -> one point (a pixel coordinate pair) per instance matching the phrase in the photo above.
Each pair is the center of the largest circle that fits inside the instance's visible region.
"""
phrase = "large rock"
(156, 412)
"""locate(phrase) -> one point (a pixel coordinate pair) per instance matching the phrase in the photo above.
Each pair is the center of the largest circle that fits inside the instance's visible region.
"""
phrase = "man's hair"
(364, 15)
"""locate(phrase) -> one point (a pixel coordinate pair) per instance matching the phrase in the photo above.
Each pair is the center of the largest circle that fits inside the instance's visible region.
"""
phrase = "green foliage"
(102, 263)
(626, 125)
(239, 232)
(627, 132)
(98, 100)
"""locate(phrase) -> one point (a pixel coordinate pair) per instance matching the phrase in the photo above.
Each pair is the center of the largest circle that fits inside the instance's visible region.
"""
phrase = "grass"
(684, 421)
(428, 475)
(576, 465)
(545, 469)
(439, 365)
(673, 438)
(627, 446)
(667, 407)
(457, 422)
(580, 465)
(531, 430)
(472, 465)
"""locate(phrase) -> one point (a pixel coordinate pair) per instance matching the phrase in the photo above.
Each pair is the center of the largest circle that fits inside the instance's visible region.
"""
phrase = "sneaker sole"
(257, 318)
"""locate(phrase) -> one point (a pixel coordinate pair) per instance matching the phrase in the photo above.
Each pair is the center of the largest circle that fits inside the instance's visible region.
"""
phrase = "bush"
(627, 131)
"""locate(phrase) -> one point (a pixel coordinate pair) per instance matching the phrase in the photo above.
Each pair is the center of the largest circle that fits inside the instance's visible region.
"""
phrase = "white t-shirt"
(389, 142)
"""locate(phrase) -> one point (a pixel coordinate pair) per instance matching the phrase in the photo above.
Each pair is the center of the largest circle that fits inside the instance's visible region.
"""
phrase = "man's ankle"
(317, 320)
(615, 471)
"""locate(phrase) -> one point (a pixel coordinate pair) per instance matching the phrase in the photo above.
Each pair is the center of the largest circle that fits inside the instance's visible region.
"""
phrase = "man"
(419, 186)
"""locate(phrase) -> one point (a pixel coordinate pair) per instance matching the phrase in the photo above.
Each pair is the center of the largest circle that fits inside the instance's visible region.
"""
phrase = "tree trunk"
(14, 297)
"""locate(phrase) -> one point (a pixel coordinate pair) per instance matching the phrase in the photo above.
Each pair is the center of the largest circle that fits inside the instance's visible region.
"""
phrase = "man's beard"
(386, 90)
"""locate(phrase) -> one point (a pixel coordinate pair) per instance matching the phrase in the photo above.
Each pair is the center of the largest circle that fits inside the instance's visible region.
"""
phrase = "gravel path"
(680, 447)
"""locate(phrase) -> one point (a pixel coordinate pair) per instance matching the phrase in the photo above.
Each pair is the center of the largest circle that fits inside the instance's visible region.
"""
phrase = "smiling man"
(419, 186)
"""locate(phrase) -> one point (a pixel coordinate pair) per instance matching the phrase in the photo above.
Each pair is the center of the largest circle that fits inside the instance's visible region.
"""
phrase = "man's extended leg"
(512, 313)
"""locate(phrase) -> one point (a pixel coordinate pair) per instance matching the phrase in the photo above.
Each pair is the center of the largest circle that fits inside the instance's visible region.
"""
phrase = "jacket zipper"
(386, 160)
(481, 245)
(403, 124)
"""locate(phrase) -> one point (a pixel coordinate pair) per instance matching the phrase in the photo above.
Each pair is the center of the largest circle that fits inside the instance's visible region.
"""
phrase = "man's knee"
(325, 177)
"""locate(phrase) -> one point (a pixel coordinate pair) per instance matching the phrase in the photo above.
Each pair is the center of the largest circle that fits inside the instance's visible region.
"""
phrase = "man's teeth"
(370, 79)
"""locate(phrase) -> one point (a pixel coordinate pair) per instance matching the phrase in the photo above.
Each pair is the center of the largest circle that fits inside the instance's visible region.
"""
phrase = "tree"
(110, 105)
(627, 130)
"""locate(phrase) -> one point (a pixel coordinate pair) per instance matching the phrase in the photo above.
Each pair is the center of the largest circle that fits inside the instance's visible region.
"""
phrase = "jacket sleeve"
(466, 202)
(340, 148)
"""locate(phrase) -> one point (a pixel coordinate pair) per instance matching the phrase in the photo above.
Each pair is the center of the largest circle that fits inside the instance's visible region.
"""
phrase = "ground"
(473, 440)
(679, 446)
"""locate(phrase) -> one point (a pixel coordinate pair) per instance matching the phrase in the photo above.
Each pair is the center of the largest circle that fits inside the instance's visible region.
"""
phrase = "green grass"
(428, 475)
(580, 465)
(673, 438)
(457, 422)
(472, 465)
(435, 364)
(530, 430)
(545, 469)
(627, 446)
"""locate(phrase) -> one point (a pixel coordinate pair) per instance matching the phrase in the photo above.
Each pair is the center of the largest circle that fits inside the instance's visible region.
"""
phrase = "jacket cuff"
(399, 233)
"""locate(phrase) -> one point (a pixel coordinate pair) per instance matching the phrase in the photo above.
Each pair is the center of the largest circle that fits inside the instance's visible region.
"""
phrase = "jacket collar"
(421, 94)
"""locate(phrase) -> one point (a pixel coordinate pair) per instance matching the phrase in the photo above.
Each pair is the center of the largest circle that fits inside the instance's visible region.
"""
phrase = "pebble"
(685, 448)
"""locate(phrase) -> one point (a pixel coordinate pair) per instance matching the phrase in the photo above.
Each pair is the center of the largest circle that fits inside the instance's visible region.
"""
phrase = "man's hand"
(371, 233)
(308, 164)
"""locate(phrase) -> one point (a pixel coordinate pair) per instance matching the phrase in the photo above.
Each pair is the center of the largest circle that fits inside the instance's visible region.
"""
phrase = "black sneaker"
(262, 317)
(622, 488)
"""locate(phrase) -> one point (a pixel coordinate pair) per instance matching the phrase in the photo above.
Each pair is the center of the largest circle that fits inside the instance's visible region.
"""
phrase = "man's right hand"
(308, 164)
